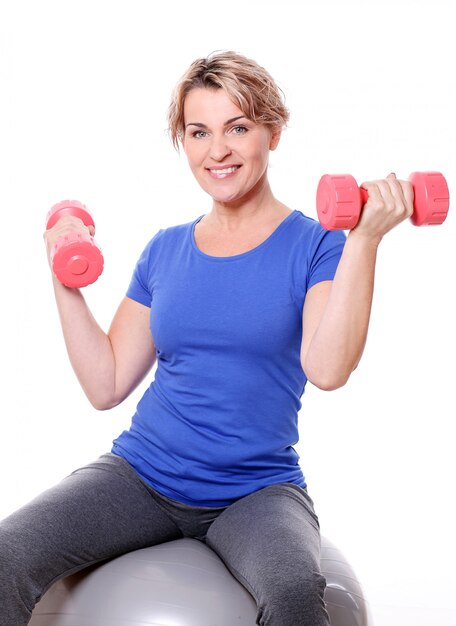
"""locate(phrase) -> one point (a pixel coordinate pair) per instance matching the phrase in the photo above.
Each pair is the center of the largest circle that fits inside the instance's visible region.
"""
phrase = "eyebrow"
(230, 121)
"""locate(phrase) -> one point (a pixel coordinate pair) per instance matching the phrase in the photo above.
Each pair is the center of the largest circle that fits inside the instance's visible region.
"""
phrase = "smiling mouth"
(223, 172)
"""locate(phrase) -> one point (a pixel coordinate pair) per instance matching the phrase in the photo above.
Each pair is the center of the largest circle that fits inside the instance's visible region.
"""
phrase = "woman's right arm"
(109, 366)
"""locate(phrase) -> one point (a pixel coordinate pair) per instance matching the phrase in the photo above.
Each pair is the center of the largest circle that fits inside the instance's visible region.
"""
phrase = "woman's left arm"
(336, 313)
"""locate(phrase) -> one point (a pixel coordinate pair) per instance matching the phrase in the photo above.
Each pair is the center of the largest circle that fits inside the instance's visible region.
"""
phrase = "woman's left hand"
(390, 202)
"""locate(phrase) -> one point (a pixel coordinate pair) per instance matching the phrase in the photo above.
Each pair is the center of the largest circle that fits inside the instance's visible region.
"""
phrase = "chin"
(223, 196)
(228, 195)
(226, 199)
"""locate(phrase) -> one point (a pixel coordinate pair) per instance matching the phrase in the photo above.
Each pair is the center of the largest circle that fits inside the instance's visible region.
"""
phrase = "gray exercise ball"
(180, 583)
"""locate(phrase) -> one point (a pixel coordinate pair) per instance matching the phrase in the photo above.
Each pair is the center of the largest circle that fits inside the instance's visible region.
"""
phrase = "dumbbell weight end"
(431, 198)
(339, 202)
(76, 259)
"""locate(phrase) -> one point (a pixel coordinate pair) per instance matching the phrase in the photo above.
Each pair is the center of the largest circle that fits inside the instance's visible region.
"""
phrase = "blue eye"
(239, 130)
(199, 134)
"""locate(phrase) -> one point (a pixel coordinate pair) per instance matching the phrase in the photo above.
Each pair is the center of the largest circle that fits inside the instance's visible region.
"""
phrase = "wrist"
(60, 288)
(364, 239)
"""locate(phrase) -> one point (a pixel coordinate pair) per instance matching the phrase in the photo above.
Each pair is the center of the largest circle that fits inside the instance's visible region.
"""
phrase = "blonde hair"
(248, 84)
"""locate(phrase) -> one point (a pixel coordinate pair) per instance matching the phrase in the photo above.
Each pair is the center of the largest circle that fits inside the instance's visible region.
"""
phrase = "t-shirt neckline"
(254, 250)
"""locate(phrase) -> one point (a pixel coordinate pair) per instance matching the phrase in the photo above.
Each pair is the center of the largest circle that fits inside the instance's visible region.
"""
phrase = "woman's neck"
(260, 207)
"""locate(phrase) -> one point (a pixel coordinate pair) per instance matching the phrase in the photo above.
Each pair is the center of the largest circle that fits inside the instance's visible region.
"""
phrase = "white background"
(84, 88)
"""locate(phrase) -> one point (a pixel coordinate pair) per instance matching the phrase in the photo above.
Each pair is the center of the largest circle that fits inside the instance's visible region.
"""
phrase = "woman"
(240, 307)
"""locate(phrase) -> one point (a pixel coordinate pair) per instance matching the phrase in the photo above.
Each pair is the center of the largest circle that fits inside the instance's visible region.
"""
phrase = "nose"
(220, 147)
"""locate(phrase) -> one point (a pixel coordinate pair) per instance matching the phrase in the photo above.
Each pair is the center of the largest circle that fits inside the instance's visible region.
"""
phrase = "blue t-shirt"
(220, 419)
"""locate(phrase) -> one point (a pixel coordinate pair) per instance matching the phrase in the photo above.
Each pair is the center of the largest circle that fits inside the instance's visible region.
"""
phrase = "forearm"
(338, 342)
(89, 347)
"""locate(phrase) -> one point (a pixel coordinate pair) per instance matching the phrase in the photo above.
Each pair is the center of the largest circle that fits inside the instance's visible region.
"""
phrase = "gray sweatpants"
(269, 540)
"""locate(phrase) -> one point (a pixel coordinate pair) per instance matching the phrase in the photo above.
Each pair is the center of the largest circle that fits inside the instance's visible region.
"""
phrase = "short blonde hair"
(248, 84)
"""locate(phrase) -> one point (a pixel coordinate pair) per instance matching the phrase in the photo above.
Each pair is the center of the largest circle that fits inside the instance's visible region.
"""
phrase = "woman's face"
(227, 152)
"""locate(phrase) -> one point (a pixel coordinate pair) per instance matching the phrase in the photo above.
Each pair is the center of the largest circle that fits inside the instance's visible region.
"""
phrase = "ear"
(276, 133)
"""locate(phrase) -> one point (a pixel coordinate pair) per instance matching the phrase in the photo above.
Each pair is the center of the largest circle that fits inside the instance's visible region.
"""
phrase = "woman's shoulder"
(309, 229)
(171, 233)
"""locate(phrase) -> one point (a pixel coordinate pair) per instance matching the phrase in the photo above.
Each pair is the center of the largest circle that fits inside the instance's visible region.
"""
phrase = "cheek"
(260, 149)
(260, 155)
(193, 159)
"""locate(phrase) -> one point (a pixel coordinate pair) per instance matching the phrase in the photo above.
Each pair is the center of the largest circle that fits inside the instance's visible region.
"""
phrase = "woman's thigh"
(97, 512)
(270, 541)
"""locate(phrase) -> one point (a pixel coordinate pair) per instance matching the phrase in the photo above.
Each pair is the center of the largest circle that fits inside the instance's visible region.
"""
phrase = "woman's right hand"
(65, 225)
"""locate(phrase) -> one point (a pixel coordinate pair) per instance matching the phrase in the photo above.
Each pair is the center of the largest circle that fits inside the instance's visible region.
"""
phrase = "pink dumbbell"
(76, 259)
(340, 200)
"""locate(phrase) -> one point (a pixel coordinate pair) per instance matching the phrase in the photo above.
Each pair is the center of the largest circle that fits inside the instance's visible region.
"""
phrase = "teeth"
(228, 170)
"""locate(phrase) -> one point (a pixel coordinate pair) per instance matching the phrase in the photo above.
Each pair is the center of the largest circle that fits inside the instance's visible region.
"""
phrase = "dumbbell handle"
(76, 259)
(340, 200)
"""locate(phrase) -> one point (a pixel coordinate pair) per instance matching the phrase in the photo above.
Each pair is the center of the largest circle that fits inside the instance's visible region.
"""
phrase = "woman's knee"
(293, 601)
(17, 588)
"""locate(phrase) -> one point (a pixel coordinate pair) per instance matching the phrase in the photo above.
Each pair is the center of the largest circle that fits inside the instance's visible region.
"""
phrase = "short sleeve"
(140, 288)
(324, 262)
